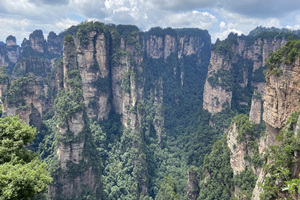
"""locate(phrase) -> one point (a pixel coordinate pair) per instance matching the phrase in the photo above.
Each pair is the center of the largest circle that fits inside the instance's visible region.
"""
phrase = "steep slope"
(281, 112)
(125, 114)
(74, 139)
(235, 72)
(249, 147)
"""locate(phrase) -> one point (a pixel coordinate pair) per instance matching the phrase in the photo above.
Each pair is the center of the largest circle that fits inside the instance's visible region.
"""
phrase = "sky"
(220, 17)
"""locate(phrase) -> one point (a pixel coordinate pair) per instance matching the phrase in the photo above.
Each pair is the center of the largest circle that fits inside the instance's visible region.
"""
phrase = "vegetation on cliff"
(281, 161)
(286, 55)
(172, 131)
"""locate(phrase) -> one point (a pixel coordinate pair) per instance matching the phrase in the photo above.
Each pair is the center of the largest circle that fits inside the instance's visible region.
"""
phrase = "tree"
(22, 174)
(168, 190)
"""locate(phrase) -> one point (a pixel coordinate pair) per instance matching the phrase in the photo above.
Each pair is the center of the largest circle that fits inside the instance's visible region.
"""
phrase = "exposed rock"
(255, 53)
(31, 112)
(189, 45)
(255, 111)
(54, 44)
(215, 97)
(13, 50)
(71, 153)
(258, 189)
(94, 70)
(154, 47)
(282, 95)
(192, 186)
(37, 41)
(238, 151)
(170, 45)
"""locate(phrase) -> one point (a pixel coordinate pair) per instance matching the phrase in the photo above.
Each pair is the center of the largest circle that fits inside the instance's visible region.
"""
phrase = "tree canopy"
(22, 174)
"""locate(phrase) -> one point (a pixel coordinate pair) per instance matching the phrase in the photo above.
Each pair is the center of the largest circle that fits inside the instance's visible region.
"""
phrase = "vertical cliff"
(280, 115)
(235, 71)
(74, 137)
(9, 53)
(30, 92)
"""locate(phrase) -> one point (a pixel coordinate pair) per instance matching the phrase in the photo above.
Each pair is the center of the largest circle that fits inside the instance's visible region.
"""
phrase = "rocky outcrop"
(280, 100)
(93, 63)
(192, 188)
(74, 132)
(9, 53)
(23, 99)
(13, 50)
(238, 151)
(37, 41)
(232, 55)
(163, 45)
(255, 111)
(281, 95)
(54, 44)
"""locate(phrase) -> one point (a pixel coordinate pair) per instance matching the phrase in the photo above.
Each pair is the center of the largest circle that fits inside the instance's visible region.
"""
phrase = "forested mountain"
(162, 114)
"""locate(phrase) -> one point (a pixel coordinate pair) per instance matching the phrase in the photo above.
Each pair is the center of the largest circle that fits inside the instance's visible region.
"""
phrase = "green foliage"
(246, 182)
(37, 34)
(10, 37)
(281, 159)
(258, 75)
(222, 78)
(293, 186)
(130, 33)
(66, 104)
(157, 31)
(285, 55)
(18, 89)
(271, 33)
(244, 127)
(168, 190)
(224, 47)
(125, 84)
(68, 38)
(3, 75)
(85, 28)
(219, 180)
(22, 175)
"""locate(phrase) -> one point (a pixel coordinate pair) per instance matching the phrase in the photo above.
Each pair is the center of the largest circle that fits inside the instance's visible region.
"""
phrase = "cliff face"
(154, 82)
(72, 126)
(280, 100)
(9, 53)
(31, 89)
(93, 62)
(237, 62)
(281, 95)
(22, 98)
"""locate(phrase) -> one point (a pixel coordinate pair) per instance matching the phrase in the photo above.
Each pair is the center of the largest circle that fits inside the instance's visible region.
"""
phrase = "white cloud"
(218, 16)
(222, 25)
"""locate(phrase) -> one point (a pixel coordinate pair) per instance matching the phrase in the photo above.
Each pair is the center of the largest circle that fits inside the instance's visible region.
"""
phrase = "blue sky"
(219, 17)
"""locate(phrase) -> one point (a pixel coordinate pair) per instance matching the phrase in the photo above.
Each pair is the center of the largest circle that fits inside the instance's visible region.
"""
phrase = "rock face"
(37, 41)
(255, 112)
(54, 43)
(192, 188)
(72, 127)
(242, 57)
(31, 81)
(9, 53)
(238, 151)
(22, 98)
(280, 97)
(94, 69)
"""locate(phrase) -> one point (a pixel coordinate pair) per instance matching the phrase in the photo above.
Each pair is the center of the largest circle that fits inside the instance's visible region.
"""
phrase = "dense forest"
(163, 114)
